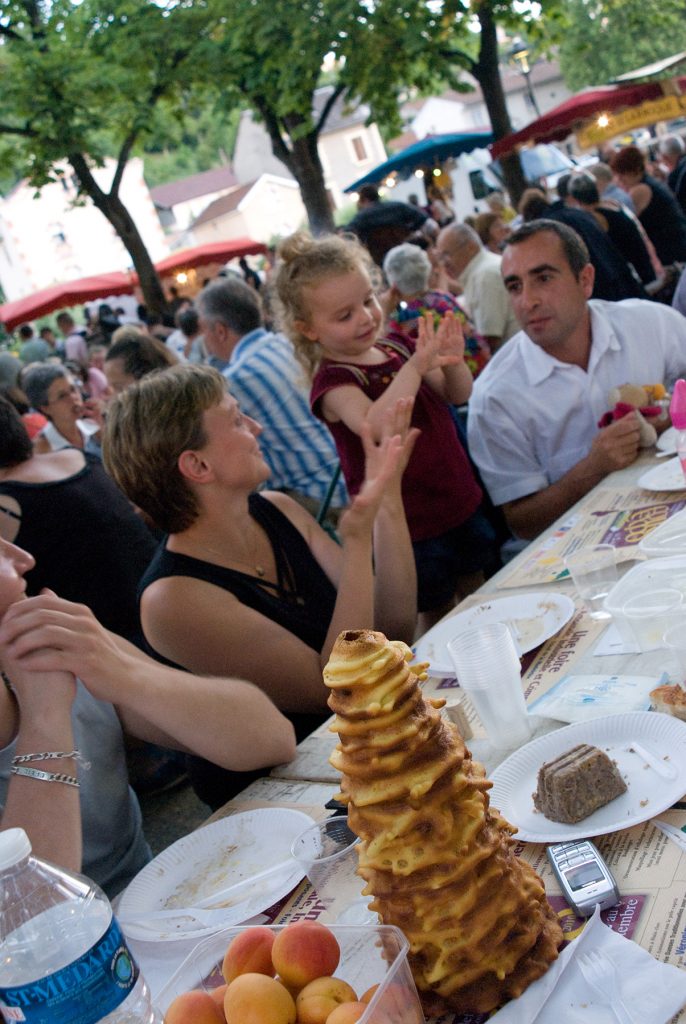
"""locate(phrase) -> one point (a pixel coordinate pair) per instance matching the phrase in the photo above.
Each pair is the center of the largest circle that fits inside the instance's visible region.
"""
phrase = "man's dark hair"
(187, 322)
(584, 189)
(233, 302)
(15, 443)
(573, 244)
(26, 332)
(563, 185)
(368, 192)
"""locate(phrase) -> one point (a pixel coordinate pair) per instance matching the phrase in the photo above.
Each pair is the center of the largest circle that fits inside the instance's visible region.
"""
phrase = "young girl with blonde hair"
(331, 313)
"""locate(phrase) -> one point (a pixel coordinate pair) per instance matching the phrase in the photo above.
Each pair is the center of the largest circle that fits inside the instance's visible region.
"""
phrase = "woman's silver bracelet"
(34, 773)
(51, 755)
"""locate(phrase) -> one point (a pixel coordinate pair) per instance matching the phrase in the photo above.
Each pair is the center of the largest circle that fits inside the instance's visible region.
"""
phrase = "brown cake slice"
(576, 784)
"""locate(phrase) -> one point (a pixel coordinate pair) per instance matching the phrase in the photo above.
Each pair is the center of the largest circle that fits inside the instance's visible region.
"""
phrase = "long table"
(650, 868)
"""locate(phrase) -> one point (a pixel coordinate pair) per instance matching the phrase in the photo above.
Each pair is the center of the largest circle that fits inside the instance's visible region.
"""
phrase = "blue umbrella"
(429, 150)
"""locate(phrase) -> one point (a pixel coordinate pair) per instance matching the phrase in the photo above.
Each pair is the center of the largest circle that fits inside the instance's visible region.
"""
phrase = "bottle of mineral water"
(63, 958)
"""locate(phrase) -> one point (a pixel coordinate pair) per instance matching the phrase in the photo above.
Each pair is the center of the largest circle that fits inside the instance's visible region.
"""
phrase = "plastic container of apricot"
(370, 955)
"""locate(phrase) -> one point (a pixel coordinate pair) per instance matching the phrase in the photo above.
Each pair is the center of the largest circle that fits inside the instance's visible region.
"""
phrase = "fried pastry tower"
(438, 860)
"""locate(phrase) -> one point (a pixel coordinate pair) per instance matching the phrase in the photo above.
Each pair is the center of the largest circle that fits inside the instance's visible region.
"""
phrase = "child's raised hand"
(438, 348)
(451, 335)
(385, 463)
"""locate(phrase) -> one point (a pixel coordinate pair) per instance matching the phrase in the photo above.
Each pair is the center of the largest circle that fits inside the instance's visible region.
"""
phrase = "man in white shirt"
(75, 347)
(477, 271)
(534, 410)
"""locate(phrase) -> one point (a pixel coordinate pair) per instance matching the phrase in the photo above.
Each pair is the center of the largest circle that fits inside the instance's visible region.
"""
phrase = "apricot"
(249, 953)
(303, 952)
(218, 994)
(347, 1013)
(257, 999)
(369, 994)
(194, 1008)
(316, 1001)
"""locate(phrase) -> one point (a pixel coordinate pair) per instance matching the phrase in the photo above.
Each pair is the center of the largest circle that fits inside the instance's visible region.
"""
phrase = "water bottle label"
(83, 992)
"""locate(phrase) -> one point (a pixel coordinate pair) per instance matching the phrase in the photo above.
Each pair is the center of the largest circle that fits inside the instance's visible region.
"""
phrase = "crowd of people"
(189, 517)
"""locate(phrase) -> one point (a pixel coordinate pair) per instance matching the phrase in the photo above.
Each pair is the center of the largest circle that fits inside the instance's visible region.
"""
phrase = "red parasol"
(575, 112)
(211, 252)
(70, 293)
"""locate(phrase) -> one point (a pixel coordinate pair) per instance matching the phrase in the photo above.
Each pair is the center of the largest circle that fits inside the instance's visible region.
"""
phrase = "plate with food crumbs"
(532, 618)
(208, 860)
(668, 476)
(648, 791)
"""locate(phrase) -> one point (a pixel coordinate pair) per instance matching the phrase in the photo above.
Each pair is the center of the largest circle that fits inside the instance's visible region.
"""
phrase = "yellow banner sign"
(663, 109)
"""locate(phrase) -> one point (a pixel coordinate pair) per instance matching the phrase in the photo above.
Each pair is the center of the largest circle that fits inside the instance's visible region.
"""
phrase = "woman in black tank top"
(248, 584)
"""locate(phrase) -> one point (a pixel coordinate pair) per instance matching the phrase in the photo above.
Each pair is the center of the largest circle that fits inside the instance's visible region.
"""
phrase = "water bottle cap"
(14, 846)
(677, 406)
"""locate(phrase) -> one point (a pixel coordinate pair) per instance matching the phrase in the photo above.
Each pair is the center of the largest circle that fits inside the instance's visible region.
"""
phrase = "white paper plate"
(666, 442)
(668, 476)
(210, 859)
(647, 794)
(535, 618)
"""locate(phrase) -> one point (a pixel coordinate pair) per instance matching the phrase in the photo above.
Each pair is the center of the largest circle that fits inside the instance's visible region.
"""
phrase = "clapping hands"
(439, 347)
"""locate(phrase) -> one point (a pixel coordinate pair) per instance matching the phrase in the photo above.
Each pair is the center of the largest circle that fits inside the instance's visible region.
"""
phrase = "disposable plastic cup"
(650, 614)
(328, 855)
(594, 573)
(487, 668)
(674, 640)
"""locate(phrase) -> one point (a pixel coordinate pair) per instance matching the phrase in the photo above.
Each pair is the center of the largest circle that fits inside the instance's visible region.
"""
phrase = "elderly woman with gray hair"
(52, 391)
(408, 271)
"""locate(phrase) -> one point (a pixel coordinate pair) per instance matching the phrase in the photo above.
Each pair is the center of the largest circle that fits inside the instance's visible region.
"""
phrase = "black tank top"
(303, 598)
(302, 601)
(89, 544)
(664, 222)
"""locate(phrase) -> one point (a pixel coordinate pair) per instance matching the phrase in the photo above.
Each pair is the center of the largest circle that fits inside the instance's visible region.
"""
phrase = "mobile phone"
(584, 877)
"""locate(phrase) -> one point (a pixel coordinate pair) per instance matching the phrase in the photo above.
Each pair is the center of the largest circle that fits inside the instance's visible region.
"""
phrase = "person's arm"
(49, 811)
(349, 405)
(227, 721)
(641, 195)
(614, 447)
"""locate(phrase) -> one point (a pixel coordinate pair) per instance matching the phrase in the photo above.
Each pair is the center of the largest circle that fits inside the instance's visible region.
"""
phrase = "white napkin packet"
(578, 698)
(653, 991)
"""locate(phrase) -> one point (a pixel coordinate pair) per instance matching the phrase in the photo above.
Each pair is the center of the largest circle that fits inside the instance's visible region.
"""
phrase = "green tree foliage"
(605, 38)
(194, 137)
(82, 80)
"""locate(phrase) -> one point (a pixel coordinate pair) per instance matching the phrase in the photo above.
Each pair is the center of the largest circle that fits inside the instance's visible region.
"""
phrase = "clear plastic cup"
(328, 855)
(594, 573)
(674, 640)
(487, 668)
(650, 614)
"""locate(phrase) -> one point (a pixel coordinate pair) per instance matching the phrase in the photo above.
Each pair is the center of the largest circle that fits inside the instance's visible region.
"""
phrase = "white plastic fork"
(601, 974)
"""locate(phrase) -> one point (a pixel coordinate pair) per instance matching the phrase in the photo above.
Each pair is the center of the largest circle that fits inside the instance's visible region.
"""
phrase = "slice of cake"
(576, 784)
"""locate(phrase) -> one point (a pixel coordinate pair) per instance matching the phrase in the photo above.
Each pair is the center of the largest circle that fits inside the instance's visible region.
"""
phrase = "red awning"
(211, 252)
(85, 289)
(59, 296)
(566, 118)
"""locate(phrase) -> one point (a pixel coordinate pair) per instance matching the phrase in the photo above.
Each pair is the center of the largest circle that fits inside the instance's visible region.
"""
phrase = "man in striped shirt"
(270, 386)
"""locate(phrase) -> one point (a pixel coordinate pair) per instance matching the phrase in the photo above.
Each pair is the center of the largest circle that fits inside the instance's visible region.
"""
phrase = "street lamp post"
(519, 53)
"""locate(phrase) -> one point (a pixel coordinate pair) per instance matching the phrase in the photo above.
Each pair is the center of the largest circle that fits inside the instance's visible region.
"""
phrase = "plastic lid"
(14, 846)
(677, 407)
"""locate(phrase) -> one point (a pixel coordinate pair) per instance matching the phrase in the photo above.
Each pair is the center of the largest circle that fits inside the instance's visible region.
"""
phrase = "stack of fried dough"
(438, 860)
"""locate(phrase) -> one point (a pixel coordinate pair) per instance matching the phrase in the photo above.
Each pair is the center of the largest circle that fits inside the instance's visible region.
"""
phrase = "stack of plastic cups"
(488, 669)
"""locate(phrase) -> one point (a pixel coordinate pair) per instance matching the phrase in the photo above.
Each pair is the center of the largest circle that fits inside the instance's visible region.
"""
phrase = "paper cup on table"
(650, 614)
(674, 640)
(594, 573)
(487, 668)
(328, 855)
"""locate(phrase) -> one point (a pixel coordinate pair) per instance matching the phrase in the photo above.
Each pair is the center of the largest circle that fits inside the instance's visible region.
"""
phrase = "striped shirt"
(269, 385)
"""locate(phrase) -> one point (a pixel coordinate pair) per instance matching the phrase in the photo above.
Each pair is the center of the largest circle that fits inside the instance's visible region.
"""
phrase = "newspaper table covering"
(618, 516)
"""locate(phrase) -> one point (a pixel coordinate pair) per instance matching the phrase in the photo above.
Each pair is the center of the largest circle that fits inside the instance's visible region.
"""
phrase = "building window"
(359, 149)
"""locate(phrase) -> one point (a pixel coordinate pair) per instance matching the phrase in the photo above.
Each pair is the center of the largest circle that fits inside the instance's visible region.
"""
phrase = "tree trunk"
(302, 160)
(123, 223)
(486, 70)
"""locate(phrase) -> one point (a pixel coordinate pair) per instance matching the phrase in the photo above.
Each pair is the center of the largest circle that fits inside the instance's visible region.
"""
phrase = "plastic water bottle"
(63, 958)
(677, 412)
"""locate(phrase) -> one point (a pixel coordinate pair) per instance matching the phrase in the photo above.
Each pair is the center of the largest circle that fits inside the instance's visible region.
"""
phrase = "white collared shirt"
(486, 298)
(532, 417)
